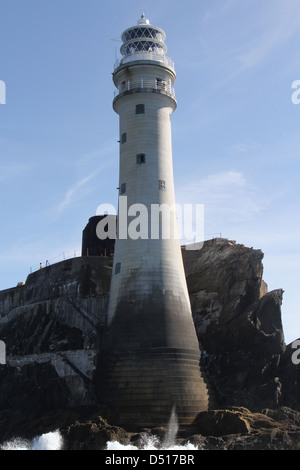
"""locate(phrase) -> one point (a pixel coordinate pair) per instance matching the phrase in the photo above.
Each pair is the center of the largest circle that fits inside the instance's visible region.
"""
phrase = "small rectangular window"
(140, 158)
(124, 138)
(140, 109)
(123, 188)
(118, 268)
(162, 185)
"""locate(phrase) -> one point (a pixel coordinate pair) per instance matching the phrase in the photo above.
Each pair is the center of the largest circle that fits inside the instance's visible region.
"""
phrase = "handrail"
(145, 55)
(61, 257)
(142, 83)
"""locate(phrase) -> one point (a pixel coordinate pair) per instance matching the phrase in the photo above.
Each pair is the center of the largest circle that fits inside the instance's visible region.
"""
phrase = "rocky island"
(53, 324)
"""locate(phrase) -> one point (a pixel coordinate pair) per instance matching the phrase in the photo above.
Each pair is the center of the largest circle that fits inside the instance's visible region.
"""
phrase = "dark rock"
(240, 429)
(220, 423)
(92, 435)
(52, 333)
(34, 389)
(238, 325)
(289, 376)
(284, 415)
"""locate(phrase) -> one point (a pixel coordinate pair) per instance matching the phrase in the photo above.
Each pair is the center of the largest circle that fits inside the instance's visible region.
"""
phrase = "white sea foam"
(114, 445)
(49, 441)
(153, 443)
(54, 441)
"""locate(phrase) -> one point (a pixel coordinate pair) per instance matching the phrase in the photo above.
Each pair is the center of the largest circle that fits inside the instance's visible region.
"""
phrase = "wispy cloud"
(88, 160)
(72, 193)
(250, 32)
(104, 155)
(279, 22)
(227, 196)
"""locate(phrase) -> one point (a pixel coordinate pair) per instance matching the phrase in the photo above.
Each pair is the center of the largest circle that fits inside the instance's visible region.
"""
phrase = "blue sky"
(236, 138)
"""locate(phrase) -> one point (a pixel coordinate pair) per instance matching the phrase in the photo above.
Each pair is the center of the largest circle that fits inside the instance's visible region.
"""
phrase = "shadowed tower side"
(150, 358)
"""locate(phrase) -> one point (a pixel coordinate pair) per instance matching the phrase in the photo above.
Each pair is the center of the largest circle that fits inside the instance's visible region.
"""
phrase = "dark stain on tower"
(149, 363)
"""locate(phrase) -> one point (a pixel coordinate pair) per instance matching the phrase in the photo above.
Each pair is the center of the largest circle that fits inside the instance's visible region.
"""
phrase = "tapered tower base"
(150, 364)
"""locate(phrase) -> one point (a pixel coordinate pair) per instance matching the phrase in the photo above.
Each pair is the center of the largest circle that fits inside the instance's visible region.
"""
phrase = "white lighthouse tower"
(150, 359)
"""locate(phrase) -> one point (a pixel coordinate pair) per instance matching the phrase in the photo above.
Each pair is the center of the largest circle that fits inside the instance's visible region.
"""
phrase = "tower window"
(140, 109)
(118, 268)
(140, 158)
(124, 138)
(123, 188)
(162, 185)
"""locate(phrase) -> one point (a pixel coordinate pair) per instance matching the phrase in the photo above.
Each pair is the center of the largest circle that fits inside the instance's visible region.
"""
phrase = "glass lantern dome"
(144, 42)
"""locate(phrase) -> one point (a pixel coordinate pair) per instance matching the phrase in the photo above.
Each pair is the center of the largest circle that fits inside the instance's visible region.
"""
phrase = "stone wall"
(10, 299)
(53, 330)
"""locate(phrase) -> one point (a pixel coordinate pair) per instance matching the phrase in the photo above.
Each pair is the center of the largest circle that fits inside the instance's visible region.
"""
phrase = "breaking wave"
(49, 441)
(154, 443)
(149, 444)
(54, 441)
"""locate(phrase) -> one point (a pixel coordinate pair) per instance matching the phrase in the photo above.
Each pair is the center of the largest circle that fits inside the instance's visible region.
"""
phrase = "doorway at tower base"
(149, 364)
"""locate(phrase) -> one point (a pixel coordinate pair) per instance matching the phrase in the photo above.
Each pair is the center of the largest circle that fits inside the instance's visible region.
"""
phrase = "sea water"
(149, 445)
(153, 443)
(48, 441)
(54, 441)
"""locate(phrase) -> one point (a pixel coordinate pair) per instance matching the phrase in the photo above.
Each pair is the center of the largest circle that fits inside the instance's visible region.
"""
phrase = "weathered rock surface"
(240, 429)
(92, 435)
(52, 333)
(236, 428)
(239, 327)
(52, 328)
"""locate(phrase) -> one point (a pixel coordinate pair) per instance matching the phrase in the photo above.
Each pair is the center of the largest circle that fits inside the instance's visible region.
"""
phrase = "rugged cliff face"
(52, 328)
(239, 327)
(52, 334)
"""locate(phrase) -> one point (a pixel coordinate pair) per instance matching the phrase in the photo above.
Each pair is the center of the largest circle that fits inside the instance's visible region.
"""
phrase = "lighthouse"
(150, 359)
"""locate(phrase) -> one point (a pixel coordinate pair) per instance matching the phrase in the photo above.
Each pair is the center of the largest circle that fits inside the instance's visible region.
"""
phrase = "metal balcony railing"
(142, 83)
(145, 55)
